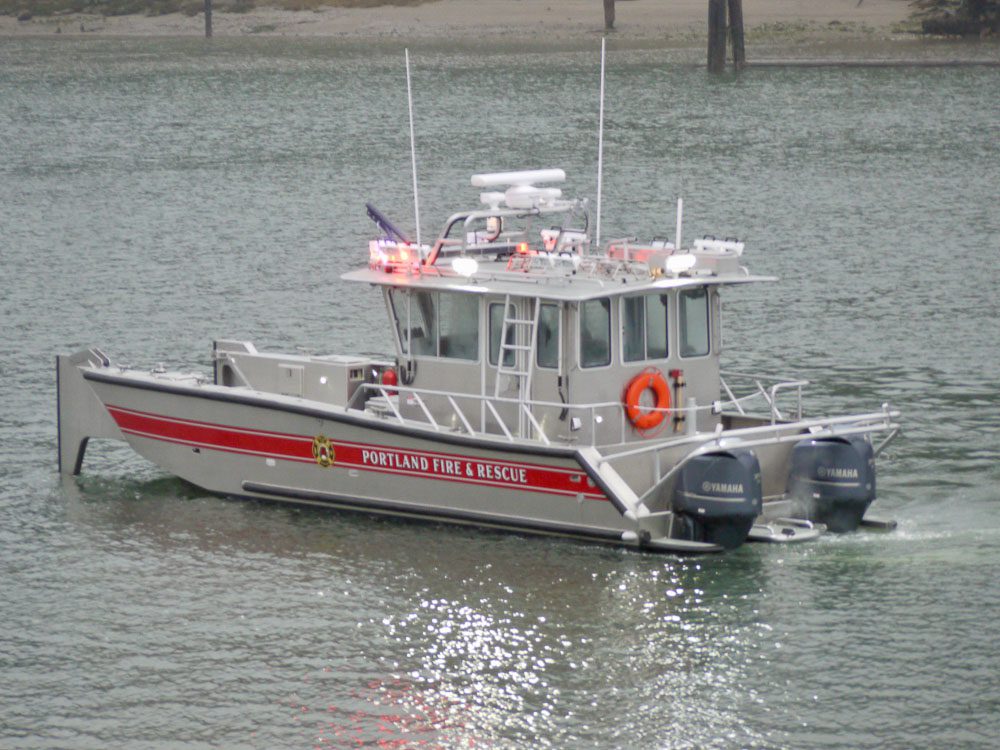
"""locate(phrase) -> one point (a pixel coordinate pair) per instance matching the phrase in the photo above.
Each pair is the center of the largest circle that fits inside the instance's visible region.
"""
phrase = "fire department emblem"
(323, 452)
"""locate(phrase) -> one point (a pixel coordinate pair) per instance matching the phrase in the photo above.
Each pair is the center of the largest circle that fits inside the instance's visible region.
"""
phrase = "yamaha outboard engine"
(832, 481)
(718, 496)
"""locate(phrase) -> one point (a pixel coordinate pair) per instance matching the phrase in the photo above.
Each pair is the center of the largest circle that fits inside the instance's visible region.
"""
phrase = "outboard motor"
(832, 481)
(718, 496)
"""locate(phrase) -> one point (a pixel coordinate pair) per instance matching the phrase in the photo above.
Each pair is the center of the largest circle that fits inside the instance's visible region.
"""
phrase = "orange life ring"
(652, 379)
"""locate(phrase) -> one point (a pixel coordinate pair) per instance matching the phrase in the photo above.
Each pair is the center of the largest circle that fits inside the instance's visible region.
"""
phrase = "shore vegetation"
(959, 17)
(31, 8)
(954, 18)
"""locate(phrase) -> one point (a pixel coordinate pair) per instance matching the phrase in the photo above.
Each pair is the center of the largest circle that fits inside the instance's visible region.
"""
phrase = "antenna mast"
(680, 218)
(600, 150)
(413, 146)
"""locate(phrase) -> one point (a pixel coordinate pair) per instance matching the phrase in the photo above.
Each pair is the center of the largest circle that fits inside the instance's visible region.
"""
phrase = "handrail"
(469, 216)
(732, 397)
(500, 421)
(460, 415)
(770, 395)
(775, 414)
(757, 376)
(489, 399)
(881, 420)
(426, 411)
(595, 413)
(534, 423)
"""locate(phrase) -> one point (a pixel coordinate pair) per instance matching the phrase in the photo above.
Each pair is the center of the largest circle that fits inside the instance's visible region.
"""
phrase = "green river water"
(157, 194)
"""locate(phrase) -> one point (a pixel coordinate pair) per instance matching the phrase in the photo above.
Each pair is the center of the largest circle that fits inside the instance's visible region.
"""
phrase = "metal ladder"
(525, 330)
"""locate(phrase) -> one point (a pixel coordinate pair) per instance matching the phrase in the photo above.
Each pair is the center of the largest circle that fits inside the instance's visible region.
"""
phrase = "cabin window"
(423, 323)
(595, 333)
(496, 329)
(459, 326)
(716, 322)
(398, 310)
(694, 328)
(547, 354)
(436, 325)
(644, 327)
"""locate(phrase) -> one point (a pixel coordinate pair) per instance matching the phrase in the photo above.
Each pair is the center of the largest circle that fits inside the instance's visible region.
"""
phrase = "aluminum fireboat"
(537, 386)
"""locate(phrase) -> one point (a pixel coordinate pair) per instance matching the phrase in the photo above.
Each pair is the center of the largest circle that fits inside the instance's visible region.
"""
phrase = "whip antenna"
(680, 218)
(600, 150)
(413, 146)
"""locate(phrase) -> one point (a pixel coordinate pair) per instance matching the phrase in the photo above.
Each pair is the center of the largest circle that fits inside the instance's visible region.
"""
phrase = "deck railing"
(585, 423)
(767, 387)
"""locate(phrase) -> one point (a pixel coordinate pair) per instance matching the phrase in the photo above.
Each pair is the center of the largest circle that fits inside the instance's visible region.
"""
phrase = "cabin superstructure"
(510, 306)
(537, 384)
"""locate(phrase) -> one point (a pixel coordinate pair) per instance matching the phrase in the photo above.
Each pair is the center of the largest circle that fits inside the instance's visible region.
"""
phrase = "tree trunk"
(208, 18)
(609, 15)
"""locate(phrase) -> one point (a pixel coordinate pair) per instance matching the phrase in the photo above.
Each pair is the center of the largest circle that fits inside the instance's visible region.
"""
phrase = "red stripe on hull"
(504, 474)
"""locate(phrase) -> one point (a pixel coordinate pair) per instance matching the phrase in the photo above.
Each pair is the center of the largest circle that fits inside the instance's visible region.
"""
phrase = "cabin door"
(548, 376)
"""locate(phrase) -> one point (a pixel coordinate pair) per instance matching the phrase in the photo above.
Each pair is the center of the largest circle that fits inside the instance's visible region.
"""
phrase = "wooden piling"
(716, 36)
(609, 15)
(736, 34)
(208, 19)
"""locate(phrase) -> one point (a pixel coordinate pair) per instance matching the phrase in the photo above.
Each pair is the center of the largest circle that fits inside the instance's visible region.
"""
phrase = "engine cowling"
(717, 497)
(832, 481)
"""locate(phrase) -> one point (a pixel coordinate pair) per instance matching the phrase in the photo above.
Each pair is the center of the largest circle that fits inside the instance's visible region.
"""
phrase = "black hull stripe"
(391, 507)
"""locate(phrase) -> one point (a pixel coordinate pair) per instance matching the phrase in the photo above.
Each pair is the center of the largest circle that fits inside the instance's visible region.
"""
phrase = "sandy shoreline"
(835, 31)
(535, 20)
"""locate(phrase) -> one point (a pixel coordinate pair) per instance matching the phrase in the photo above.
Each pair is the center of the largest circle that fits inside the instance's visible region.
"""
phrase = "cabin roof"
(493, 278)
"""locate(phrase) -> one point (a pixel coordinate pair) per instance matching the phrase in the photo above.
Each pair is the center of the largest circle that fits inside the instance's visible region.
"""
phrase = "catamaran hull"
(270, 448)
(243, 442)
